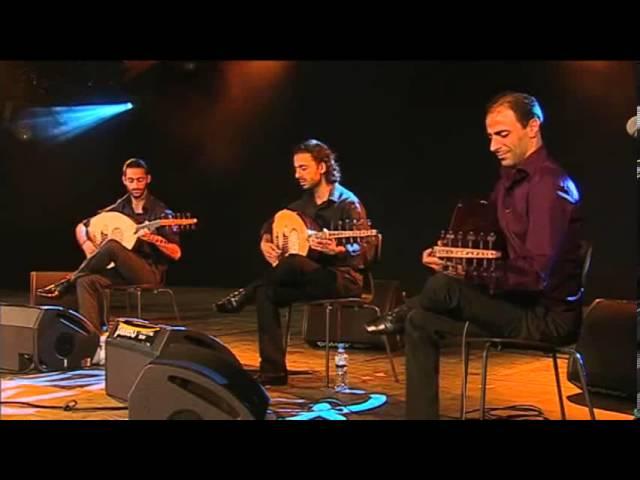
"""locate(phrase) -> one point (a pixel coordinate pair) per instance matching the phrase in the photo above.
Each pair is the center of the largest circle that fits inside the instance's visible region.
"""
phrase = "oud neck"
(347, 233)
(150, 225)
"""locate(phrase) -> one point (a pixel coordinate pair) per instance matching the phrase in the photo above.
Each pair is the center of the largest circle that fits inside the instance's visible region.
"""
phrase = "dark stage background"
(218, 136)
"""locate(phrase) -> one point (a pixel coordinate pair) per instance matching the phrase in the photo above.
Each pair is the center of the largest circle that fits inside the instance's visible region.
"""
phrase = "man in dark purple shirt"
(537, 290)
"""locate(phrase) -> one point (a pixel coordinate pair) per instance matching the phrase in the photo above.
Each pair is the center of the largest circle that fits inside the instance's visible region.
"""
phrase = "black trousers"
(440, 312)
(93, 276)
(295, 278)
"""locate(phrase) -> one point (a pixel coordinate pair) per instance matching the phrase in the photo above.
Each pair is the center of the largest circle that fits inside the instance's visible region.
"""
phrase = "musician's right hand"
(431, 261)
(89, 248)
(270, 251)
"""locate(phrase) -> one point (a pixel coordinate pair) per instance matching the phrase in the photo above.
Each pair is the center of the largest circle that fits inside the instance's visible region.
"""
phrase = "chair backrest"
(368, 287)
(378, 252)
(586, 250)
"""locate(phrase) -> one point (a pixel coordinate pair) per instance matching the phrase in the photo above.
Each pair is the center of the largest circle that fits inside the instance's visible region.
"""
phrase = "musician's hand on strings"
(431, 261)
(146, 235)
(327, 246)
(270, 251)
(150, 237)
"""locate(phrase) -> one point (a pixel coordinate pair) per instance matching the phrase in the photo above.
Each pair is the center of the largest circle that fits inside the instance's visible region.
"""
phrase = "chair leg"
(106, 306)
(559, 386)
(483, 386)
(465, 381)
(173, 301)
(583, 383)
(287, 329)
(139, 293)
(327, 319)
(385, 338)
(394, 372)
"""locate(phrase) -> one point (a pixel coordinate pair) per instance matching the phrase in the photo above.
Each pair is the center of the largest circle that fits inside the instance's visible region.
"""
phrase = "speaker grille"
(205, 395)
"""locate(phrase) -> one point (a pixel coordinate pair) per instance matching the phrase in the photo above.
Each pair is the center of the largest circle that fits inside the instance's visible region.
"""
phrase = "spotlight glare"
(62, 123)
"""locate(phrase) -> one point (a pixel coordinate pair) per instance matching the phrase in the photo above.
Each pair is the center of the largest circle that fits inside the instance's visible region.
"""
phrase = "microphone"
(632, 126)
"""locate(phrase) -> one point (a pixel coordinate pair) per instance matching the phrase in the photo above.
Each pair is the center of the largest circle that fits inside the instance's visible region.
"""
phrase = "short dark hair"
(135, 163)
(525, 107)
(321, 153)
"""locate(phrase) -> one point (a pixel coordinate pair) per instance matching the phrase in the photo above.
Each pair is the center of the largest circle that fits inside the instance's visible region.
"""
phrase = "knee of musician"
(440, 292)
(111, 246)
(290, 262)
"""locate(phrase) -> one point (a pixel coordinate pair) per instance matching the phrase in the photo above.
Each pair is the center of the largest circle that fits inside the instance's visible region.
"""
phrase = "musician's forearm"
(82, 235)
(172, 250)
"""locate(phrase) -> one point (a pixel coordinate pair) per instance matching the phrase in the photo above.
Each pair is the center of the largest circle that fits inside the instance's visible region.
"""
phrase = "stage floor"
(513, 379)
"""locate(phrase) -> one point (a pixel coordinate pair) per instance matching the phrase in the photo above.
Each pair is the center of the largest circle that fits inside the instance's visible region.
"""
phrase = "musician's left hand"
(146, 235)
(327, 246)
(431, 261)
(150, 237)
(170, 249)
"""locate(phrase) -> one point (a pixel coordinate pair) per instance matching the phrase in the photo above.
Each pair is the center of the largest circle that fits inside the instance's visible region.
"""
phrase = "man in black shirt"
(146, 263)
(335, 272)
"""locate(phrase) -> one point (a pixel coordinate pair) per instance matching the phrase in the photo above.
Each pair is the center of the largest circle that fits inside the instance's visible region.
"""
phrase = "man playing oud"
(334, 272)
(146, 263)
(539, 294)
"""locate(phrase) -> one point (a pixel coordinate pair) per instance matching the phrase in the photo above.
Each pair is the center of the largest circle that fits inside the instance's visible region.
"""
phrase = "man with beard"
(335, 273)
(146, 263)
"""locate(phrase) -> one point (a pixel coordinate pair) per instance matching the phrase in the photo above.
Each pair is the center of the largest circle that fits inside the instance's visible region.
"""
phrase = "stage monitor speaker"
(387, 296)
(133, 343)
(608, 345)
(188, 382)
(45, 338)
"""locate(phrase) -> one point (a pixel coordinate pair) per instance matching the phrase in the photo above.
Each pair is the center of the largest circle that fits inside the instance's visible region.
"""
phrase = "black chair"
(138, 290)
(527, 347)
(364, 301)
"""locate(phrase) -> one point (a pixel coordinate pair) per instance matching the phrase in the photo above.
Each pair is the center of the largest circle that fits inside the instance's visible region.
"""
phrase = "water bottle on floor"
(342, 363)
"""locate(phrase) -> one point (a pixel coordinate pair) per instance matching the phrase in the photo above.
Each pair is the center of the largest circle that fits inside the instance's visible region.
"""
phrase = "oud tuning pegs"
(450, 237)
(471, 237)
(491, 238)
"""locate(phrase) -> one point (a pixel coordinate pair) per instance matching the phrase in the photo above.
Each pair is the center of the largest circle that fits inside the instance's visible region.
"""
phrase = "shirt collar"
(335, 194)
(528, 167)
(149, 202)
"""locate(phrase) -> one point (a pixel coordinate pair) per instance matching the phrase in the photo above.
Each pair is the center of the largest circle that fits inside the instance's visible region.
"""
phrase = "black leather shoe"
(269, 379)
(55, 290)
(391, 322)
(234, 302)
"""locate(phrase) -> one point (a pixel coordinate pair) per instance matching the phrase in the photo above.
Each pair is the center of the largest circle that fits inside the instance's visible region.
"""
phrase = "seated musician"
(335, 270)
(537, 292)
(144, 264)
